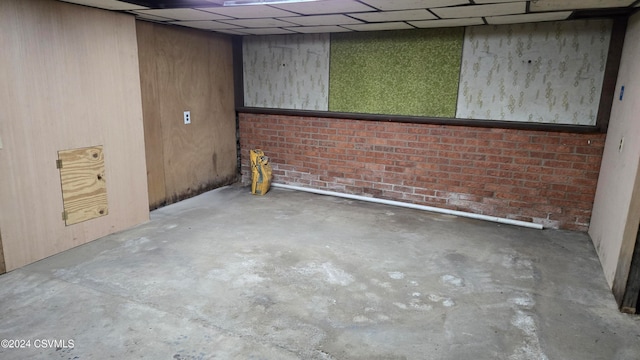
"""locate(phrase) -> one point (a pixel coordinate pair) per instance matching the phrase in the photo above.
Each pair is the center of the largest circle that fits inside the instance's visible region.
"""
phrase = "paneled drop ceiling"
(284, 17)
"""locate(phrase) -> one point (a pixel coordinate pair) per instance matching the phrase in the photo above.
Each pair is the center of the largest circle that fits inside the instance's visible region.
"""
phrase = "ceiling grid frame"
(356, 15)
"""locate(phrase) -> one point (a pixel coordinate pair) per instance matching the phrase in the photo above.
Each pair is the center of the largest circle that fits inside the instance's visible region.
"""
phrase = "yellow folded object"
(260, 172)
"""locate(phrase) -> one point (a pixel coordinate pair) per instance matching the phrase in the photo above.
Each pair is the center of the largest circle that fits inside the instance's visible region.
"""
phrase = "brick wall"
(543, 177)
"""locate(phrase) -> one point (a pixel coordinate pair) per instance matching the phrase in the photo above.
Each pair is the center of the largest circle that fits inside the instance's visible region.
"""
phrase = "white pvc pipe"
(413, 206)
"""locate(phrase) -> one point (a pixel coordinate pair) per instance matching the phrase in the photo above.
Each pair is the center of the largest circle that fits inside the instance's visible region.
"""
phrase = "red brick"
(553, 194)
(487, 165)
(587, 167)
(450, 182)
(493, 136)
(442, 131)
(515, 153)
(527, 161)
(452, 140)
(489, 150)
(559, 148)
(531, 147)
(545, 139)
(589, 150)
(499, 168)
(557, 164)
(461, 163)
(585, 182)
(517, 137)
(449, 168)
(425, 192)
(499, 159)
(569, 172)
(438, 160)
(473, 170)
(477, 142)
(508, 196)
(542, 155)
(582, 141)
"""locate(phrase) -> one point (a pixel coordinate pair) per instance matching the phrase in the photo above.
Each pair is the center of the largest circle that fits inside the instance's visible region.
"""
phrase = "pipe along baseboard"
(413, 206)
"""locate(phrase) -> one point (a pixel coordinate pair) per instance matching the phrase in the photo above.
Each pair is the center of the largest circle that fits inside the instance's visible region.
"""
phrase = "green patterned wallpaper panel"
(414, 72)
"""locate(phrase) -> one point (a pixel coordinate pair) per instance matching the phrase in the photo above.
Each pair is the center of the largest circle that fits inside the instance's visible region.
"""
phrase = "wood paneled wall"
(185, 69)
(70, 79)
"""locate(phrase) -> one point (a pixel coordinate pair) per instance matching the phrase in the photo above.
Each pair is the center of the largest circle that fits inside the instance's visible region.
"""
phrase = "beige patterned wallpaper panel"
(542, 72)
(286, 71)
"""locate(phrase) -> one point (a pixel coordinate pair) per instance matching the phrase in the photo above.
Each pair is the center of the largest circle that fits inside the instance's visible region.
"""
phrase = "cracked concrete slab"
(292, 275)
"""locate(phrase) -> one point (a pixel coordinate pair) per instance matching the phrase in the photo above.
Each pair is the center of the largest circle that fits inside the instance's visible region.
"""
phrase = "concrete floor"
(292, 275)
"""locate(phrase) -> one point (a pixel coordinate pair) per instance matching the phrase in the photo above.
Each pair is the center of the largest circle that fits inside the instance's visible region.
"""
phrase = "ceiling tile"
(322, 20)
(150, 17)
(524, 18)
(249, 12)
(184, 14)
(230, 32)
(495, 1)
(387, 5)
(325, 7)
(107, 4)
(447, 23)
(264, 31)
(380, 26)
(259, 23)
(551, 5)
(318, 29)
(206, 24)
(481, 10)
(403, 15)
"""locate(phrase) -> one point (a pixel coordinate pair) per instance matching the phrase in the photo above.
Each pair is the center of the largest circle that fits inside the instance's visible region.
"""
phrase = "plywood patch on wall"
(413, 72)
(541, 72)
(84, 187)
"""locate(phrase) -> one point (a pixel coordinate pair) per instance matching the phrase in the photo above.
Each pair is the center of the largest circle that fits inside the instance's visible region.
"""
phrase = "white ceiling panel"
(149, 17)
(206, 24)
(525, 18)
(249, 12)
(107, 4)
(259, 23)
(402, 15)
(479, 2)
(356, 15)
(447, 23)
(481, 10)
(265, 31)
(318, 20)
(551, 5)
(380, 26)
(230, 32)
(318, 29)
(387, 5)
(325, 7)
(183, 14)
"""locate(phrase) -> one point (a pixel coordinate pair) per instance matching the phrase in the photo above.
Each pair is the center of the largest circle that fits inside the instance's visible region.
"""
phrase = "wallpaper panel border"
(608, 95)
